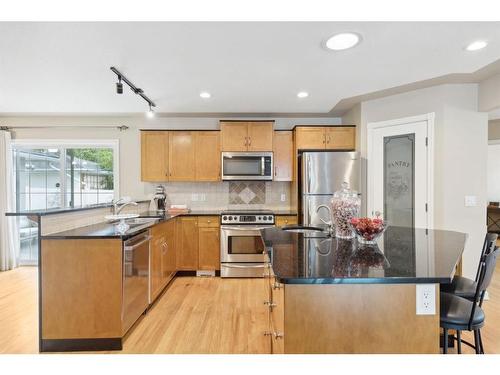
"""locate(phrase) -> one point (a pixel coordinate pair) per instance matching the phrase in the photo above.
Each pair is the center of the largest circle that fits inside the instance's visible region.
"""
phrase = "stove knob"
(224, 217)
(270, 217)
(230, 218)
(259, 218)
(264, 218)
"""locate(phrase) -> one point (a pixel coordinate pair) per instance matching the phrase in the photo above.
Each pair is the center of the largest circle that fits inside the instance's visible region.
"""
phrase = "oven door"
(247, 166)
(242, 244)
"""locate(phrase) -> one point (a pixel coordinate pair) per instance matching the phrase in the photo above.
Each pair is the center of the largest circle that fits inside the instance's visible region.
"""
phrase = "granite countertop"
(108, 230)
(403, 255)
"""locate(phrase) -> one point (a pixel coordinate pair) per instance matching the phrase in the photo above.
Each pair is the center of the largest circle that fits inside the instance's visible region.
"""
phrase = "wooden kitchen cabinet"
(260, 136)
(207, 156)
(340, 138)
(154, 156)
(209, 248)
(277, 317)
(286, 220)
(325, 137)
(283, 155)
(247, 136)
(234, 136)
(181, 156)
(310, 138)
(163, 256)
(187, 243)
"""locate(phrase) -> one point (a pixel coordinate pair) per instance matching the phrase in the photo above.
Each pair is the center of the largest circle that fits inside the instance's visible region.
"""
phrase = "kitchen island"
(337, 296)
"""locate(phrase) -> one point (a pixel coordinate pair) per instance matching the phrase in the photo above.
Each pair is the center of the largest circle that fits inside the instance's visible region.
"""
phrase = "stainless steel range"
(241, 246)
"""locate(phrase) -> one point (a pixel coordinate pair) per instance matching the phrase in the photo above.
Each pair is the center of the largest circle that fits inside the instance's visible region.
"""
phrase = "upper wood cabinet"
(340, 138)
(154, 156)
(283, 155)
(325, 137)
(247, 136)
(207, 156)
(181, 156)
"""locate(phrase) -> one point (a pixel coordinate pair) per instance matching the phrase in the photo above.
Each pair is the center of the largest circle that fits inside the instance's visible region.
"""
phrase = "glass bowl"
(368, 230)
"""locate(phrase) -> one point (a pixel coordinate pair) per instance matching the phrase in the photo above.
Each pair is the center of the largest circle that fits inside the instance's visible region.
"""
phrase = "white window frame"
(114, 144)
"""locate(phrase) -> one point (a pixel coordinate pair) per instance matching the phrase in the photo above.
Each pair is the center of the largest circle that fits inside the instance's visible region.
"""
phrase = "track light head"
(150, 113)
(119, 86)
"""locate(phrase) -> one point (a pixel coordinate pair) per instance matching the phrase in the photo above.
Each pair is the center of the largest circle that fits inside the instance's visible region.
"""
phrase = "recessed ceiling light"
(205, 95)
(342, 41)
(302, 94)
(476, 45)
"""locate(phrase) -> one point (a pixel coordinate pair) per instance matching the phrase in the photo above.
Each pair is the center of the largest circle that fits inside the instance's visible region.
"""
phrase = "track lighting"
(134, 88)
(119, 85)
(150, 113)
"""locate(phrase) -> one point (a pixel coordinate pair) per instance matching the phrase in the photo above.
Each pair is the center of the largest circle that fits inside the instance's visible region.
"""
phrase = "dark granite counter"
(403, 255)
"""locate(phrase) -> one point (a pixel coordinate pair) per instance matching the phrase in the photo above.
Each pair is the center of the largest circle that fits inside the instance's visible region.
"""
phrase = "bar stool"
(461, 314)
(465, 287)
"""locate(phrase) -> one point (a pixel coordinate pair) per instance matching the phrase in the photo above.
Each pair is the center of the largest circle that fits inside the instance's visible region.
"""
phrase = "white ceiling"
(248, 67)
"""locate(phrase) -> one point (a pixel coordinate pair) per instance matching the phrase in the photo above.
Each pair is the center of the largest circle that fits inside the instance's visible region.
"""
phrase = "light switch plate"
(283, 197)
(426, 299)
(470, 201)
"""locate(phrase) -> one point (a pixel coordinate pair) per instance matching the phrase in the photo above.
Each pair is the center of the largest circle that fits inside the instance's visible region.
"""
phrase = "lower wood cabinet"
(275, 301)
(162, 256)
(209, 249)
(198, 243)
(187, 240)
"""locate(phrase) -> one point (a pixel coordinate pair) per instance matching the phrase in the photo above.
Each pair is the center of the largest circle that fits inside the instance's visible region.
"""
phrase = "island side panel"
(81, 289)
(358, 318)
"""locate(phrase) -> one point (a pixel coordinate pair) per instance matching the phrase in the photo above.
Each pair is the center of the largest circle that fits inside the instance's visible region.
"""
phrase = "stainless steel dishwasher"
(135, 278)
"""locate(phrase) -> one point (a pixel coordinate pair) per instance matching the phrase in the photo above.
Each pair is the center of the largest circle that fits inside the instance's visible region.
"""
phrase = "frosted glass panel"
(399, 180)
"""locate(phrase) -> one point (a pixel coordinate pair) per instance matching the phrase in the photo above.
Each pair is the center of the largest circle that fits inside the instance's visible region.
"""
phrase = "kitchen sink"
(141, 220)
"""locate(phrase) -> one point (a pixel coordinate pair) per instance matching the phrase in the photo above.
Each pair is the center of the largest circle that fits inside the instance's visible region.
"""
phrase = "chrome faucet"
(117, 209)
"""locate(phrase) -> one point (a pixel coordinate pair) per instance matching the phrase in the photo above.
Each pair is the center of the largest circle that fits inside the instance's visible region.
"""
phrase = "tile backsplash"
(222, 195)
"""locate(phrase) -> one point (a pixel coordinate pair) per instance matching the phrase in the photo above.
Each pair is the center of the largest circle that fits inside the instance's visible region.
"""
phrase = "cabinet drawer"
(286, 220)
(208, 221)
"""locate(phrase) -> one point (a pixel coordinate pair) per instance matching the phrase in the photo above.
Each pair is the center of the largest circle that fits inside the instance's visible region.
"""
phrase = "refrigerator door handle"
(308, 173)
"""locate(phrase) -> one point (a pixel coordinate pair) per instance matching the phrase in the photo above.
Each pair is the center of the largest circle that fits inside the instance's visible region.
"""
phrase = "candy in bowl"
(367, 229)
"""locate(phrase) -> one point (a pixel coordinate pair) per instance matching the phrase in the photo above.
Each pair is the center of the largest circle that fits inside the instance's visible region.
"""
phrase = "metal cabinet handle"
(275, 170)
(276, 285)
(329, 139)
(246, 141)
(270, 304)
(324, 138)
(278, 335)
(249, 141)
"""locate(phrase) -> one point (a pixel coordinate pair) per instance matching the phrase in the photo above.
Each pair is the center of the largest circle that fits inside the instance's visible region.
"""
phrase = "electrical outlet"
(470, 201)
(283, 197)
(194, 197)
(426, 299)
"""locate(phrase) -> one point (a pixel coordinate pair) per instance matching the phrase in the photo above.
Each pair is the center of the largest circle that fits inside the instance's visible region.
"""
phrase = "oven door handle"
(245, 229)
(243, 266)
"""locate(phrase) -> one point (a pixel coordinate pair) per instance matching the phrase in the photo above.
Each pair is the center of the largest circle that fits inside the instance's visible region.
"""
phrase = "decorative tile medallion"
(247, 192)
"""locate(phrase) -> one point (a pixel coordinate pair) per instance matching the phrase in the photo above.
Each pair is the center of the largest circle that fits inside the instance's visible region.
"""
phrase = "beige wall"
(489, 94)
(461, 137)
(130, 184)
(494, 129)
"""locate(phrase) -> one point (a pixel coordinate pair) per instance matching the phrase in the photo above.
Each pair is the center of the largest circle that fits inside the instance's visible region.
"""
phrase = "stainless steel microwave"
(247, 166)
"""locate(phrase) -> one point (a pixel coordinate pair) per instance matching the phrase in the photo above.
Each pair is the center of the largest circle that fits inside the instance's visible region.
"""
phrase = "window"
(57, 174)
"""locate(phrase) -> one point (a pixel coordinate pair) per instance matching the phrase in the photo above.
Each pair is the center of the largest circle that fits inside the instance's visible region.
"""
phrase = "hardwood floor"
(19, 310)
(194, 315)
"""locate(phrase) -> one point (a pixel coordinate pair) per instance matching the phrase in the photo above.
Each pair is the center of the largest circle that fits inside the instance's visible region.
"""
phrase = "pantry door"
(399, 171)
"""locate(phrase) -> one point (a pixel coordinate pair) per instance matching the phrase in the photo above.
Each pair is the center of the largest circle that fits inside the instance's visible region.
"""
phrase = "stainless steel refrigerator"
(320, 175)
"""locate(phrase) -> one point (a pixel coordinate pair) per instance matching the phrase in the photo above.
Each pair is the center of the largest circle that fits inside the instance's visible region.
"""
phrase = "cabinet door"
(187, 243)
(208, 156)
(157, 248)
(234, 136)
(278, 318)
(260, 136)
(209, 249)
(310, 138)
(341, 138)
(181, 156)
(283, 155)
(154, 156)
(169, 251)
